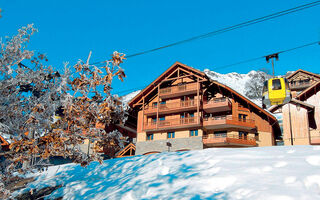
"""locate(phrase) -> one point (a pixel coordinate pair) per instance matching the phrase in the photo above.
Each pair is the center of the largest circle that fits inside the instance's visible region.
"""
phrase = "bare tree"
(31, 96)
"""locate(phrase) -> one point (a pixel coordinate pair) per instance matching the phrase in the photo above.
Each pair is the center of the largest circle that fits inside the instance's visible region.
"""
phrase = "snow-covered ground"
(275, 173)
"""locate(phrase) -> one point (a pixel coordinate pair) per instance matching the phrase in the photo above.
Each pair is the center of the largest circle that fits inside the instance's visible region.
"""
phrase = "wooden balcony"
(217, 105)
(315, 140)
(225, 141)
(228, 122)
(168, 108)
(299, 86)
(171, 124)
(179, 90)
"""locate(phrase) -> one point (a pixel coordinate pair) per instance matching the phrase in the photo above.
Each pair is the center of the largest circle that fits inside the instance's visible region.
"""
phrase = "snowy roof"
(128, 97)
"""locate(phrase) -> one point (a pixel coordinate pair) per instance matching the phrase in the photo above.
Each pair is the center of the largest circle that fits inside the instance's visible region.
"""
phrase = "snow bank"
(253, 173)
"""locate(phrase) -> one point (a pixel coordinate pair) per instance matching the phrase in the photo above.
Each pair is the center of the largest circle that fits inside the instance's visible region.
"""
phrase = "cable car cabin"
(276, 91)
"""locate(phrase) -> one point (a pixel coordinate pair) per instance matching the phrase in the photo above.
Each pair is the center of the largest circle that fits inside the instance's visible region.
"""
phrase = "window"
(220, 133)
(163, 102)
(191, 118)
(154, 120)
(256, 136)
(243, 135)
(154, 104)
(150, 136)
(276, 84)
(193, 133)
(171, 135)
(243, 117)
(162, 118)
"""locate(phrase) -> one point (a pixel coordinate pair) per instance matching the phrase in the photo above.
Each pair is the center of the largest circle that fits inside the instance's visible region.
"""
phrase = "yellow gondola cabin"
(276, 91)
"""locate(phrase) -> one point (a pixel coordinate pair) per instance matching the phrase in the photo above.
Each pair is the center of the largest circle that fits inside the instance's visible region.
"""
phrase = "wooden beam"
(198, 101)
(167, 77)
(142, 114)
(149, 92)
(157, 120)
(192, 74)
(181, 77)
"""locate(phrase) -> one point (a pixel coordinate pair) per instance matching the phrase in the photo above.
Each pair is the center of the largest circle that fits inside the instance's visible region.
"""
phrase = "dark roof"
(305, 94)
(306, 72)
(295, 102)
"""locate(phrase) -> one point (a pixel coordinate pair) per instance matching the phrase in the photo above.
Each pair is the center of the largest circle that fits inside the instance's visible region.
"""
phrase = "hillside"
(285, 173)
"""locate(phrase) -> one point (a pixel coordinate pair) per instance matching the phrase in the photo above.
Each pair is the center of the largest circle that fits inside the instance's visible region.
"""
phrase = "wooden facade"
(301, 80)
(301, 116)
(129, 150)
(184, 103)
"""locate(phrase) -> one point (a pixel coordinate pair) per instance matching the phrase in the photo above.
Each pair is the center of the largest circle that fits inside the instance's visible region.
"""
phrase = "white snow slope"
(275, 173)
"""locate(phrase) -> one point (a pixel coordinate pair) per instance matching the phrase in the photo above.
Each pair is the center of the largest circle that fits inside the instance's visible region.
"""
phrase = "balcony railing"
(225, 121)
(315, 139)
(171, 107)
(217, 105)
(172, 123)
(178, 90)
(299, 85)
(223, 139)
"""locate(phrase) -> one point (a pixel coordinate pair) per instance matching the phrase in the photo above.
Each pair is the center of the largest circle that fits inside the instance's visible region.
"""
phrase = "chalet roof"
(304, 95)
(162, 77)
(303, 71)
(295, 102)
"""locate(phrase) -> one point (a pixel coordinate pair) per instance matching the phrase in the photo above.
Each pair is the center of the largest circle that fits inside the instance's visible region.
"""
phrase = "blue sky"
(69, 29)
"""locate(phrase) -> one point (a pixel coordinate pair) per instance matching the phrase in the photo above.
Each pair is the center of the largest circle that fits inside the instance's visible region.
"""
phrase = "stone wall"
(190, 143)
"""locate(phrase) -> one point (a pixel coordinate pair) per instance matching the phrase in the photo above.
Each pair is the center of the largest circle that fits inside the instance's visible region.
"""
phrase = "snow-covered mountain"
(249, 85)
(279, 172)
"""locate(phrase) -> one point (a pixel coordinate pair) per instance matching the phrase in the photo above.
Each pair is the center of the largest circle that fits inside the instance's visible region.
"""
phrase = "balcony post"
(157, 120)
(198, 101)
(143, 113)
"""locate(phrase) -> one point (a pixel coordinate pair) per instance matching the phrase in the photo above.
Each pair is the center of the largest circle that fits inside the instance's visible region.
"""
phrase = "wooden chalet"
(301, 80)
(183, 109)
(301, 117)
